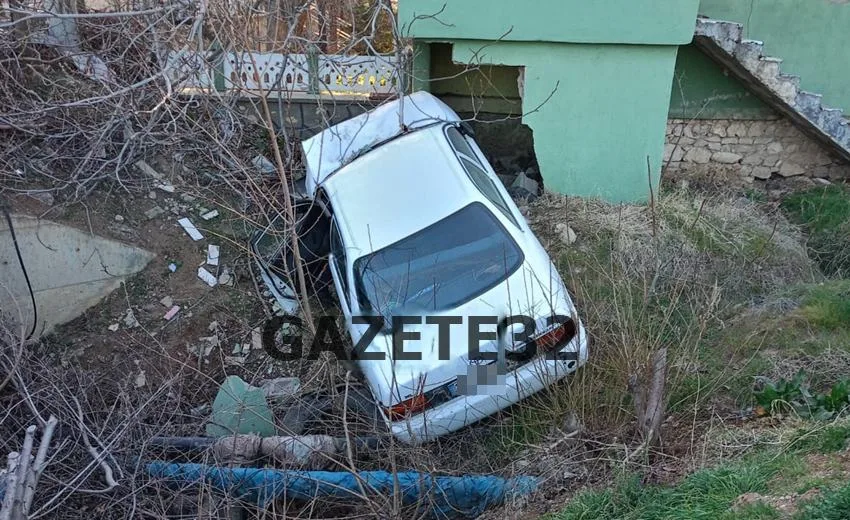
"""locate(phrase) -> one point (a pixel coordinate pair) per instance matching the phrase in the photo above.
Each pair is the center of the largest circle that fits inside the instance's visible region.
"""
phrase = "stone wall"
(749, 148)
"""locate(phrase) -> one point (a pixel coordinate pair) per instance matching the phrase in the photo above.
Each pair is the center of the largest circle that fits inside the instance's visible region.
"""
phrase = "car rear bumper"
(463, 411)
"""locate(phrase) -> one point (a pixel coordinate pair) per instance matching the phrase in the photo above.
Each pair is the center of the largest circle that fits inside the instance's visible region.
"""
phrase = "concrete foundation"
(69, 271)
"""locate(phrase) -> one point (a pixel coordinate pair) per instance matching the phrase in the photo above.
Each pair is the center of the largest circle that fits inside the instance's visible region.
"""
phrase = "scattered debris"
(566, 233)
(237, 349)
(130, 319)
(264, 165)
(172, 267)
(172, 312)
(185, 197)
(141, 380)
(168, 301)
(213, 326)
(207, 277)
(256, 339)
(154, 212)
(234, 360)
(824, 182)
(525, 187)
(119, 218)
(168, 188)
(148, 170)
(213, 252)
(281, 388)
(152, 195)
(190, 229)
(225, 278)
(210, 214)
(240, 408)
(202, 351)
(200, 410)
(114, 327)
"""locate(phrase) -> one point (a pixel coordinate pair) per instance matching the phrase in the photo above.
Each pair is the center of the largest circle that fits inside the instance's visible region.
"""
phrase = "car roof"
(398, 189)
(335, 147)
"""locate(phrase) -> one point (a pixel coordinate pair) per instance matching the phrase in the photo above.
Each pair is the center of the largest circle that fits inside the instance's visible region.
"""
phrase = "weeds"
(794, 395)
(825, 212)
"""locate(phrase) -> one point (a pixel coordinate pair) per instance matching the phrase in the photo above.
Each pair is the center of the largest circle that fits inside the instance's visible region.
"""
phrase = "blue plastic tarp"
(445, 497)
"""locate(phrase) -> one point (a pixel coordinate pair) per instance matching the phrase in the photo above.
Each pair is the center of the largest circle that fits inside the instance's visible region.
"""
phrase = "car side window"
(479, 176)
(338, 250)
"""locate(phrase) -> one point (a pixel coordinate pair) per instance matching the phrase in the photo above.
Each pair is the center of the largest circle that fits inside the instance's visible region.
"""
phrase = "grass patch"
(771, 471)
(825, 212)
(834, 505)
(708, 493)
(828, 305)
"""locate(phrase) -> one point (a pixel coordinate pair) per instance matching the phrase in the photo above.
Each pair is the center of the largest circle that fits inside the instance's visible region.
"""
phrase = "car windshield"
(442, 266)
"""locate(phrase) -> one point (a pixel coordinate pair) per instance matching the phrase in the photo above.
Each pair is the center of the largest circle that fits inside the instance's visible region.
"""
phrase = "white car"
(401, 207)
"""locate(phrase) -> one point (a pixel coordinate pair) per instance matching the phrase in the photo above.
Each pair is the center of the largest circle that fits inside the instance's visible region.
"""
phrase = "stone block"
(726, 158)
(761, 172)
(789, 169)
(737, 129)
(754, 159)
(698, 156)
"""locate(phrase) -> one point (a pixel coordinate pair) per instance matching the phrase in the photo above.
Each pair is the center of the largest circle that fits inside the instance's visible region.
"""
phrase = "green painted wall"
(576, 21)
(809, 35)
(597, 111)
(702, 91)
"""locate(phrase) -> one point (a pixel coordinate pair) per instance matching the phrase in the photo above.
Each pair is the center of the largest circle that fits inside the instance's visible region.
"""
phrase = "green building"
(612, 93)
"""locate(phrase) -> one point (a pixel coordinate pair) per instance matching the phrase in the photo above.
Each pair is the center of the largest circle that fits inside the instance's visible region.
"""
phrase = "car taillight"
(551, 339)
(414, 405)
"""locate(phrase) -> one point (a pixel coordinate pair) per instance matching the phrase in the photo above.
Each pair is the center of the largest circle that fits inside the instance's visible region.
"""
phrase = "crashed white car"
(455, 309)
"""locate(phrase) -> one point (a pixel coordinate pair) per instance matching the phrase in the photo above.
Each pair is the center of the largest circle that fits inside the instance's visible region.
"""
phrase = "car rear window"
(439, 267)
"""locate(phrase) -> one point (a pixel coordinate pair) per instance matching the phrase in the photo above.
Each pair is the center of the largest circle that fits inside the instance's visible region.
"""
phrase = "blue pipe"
(448, 497)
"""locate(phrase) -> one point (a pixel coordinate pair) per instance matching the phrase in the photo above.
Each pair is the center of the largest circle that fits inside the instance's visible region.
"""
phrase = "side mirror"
(466, 129)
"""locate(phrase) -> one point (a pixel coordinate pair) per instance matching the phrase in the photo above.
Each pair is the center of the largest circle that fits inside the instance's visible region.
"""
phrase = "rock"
(114, 327)
(225, 278)
(761, 172)
(141, 380)
(524, 187)
(130, 319)
(152, 195)
(754, 159)
(820, 181)
(698, 156)
(281, 388)
(775, 147)
(168, 301)
(119, 218)
(154, 212)
(566, 233)
(736, 130)
(788, 169)
(726, 157)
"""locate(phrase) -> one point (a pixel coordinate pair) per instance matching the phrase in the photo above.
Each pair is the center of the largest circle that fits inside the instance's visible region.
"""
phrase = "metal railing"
(316, 74)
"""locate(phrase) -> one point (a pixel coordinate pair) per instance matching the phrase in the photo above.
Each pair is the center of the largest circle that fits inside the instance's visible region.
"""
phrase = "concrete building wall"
(583, 149)
(701, 90)
(809, 35)
(594, 79)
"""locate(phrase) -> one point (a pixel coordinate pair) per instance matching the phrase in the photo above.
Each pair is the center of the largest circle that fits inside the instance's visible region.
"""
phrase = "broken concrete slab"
(70, 271)
(240, 408)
